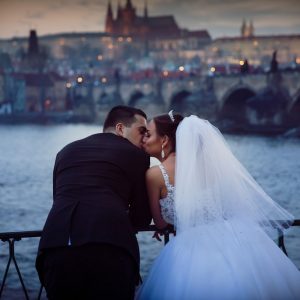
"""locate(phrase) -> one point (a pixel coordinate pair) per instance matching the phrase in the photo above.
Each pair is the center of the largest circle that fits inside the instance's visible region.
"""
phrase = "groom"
(88, 248)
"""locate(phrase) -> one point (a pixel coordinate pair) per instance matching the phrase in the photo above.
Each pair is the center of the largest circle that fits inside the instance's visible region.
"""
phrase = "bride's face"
(152, 141)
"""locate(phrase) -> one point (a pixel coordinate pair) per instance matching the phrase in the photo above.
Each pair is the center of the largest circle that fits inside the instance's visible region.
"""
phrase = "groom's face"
(136, 131)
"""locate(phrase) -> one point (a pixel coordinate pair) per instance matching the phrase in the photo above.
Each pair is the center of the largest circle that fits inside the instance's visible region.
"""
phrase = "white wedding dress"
(223, 248)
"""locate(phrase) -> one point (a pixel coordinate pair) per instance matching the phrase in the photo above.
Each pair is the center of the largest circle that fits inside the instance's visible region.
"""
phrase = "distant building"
(131, 39)
(2, 90)
(258, 50)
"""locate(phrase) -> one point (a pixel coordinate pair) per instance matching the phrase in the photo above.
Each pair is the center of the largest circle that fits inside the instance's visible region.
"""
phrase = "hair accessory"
(170, 113)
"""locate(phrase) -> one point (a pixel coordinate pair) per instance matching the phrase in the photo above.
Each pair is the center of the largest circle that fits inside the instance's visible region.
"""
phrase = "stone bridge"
(262, 98)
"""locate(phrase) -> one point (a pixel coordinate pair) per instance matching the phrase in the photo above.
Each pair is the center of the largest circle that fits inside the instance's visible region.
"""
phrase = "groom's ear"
(119, 129)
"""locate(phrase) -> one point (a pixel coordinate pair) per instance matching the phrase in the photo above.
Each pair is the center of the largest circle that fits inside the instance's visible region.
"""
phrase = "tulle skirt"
(221, 261)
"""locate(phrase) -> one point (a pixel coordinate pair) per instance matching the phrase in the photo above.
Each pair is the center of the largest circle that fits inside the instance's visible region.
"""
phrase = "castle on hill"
(127, 23)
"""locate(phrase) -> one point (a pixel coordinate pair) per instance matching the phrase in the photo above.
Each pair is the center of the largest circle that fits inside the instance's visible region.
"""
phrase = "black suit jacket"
(99, 194)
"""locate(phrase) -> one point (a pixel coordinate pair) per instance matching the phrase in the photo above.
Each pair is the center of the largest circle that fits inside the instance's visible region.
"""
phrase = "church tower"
(244, 29)
(128, 18)
(129, 4)
(33, 46)
(109, 23)
(146, 11)
(247, 30)
(251, 29)
(119, 11)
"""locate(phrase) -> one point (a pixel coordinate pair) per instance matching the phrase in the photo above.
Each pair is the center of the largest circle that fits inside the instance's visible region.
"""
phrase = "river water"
(27, 156)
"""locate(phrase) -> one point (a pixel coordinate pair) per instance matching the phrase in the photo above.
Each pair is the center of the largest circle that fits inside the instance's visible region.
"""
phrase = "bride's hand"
(159, 232)
(157, 235)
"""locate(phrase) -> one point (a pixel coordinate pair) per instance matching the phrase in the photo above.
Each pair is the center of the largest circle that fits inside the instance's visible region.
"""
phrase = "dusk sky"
(220, 18)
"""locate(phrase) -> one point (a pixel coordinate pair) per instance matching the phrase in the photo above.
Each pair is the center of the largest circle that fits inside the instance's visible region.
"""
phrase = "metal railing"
(12, 237)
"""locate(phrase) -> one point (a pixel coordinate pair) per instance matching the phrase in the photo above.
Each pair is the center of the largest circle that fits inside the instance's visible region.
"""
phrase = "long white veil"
(212, 185)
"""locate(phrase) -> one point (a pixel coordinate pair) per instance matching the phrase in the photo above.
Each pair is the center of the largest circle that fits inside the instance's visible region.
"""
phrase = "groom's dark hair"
(122, 114)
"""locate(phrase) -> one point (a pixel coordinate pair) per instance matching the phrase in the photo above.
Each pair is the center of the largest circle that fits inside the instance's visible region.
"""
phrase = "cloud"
(35, 15)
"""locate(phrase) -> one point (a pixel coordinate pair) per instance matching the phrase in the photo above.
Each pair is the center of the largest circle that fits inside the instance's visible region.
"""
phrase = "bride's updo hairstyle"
(167, 124)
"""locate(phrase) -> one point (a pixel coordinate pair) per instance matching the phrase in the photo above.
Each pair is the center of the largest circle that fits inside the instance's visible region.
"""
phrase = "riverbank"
(71, 118)
(45, 118)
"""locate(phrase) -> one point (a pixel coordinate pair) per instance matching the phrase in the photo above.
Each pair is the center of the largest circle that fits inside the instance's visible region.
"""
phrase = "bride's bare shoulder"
(153, 174)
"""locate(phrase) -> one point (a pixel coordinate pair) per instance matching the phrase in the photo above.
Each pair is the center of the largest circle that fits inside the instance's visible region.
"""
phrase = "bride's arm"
(154, 189)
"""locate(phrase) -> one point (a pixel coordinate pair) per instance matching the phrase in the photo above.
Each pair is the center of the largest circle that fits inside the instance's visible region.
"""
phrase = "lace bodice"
(167, 203)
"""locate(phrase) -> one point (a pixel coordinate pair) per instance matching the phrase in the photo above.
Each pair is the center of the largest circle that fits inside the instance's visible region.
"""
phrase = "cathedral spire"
(128, 4)
(33, 46)
(251, 29)
(119, 11)
(146, 10)
(109, 10)
(243, 28)
(109, 19)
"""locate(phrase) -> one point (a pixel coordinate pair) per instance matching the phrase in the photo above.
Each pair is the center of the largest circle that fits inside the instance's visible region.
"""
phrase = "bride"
(224, 221)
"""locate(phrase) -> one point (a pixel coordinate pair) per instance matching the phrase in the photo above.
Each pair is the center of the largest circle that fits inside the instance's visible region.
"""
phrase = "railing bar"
(37, 233)
(18, 235)
(296, 222)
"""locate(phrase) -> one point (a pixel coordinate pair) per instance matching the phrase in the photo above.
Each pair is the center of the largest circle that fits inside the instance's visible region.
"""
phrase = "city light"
(68, 85)
(166, 73)
(298, 60)
(242, 62)
(120, 39)
(100, 57)
(103, 79)
(181, 68)
(129, 39)
(47, 103)
(212, 69)
(79, 79)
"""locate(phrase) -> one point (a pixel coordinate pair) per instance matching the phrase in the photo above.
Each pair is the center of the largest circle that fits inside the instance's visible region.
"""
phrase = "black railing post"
(12, 257)
(12, 252)
(5, 274)
(281, 241)
(166, 236)
(40, 292)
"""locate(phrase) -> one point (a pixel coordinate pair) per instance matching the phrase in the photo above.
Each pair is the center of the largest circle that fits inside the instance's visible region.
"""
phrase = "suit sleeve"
(54, 177)
(139, 211)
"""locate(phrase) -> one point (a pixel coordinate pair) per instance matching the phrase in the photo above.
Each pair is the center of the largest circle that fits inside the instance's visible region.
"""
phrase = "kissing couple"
(103, 189)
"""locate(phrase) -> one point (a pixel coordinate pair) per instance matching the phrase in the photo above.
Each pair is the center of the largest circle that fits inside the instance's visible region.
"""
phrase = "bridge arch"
(178, 100)
(233, 105)
(293, 113)
(108, 100)
(135, 97)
